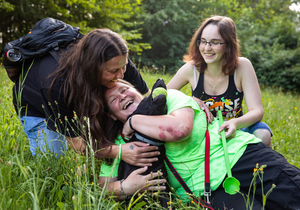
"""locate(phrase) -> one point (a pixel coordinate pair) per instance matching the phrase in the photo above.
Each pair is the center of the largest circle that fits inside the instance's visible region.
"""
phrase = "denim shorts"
(254, 127)
(41, 139)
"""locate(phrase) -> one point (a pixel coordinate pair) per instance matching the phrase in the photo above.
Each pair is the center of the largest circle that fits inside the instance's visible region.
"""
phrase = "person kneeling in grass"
(183, 129)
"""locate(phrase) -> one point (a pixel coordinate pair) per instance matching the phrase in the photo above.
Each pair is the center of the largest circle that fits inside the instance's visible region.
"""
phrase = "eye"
(203, 41)
(215, 42)
(123, 90)
(112, 100)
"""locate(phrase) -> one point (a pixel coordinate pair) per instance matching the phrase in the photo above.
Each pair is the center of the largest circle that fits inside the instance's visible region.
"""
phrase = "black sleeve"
(133, 76)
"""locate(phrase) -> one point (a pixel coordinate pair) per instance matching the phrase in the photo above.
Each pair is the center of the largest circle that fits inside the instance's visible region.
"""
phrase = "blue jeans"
(254, 127)
(41, 138)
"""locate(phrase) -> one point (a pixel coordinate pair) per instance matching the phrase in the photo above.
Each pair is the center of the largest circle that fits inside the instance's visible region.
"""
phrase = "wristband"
(120, 151)
(122, 191)
(131, 124)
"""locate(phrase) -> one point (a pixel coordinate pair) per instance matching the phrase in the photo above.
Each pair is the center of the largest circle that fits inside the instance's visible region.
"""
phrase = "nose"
(120, 73)
(122, 96)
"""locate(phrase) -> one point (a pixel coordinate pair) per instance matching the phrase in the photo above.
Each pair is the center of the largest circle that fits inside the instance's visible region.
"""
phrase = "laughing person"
(183, 129)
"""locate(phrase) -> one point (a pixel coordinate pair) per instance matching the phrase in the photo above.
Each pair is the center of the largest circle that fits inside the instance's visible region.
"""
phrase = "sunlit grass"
(69, 182)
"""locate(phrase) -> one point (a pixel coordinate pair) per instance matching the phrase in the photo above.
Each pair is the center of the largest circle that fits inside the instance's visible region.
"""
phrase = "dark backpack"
(47, 36)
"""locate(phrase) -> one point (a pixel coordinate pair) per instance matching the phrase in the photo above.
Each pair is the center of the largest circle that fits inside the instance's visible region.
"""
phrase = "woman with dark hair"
(71, 92)
(220, 78)
(183, 129)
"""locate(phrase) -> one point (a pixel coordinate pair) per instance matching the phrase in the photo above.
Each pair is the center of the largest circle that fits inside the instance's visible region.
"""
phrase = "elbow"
(179, 132)
(260, 114)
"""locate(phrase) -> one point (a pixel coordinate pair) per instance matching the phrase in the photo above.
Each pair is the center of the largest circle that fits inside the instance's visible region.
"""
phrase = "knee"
(264, 135)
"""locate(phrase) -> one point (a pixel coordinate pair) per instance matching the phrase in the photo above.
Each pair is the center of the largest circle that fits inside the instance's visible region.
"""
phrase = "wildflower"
(72, 169)
(169, 202)
(255, 169)
(73, 197)
(193, 202)
(92, 183)
(9, 163)
(296, 108)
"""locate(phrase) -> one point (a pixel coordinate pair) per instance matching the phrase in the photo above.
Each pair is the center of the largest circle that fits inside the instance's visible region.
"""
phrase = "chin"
(110, 84)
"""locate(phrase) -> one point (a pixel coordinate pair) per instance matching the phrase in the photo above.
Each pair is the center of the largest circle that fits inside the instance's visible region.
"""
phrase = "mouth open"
(127, 105)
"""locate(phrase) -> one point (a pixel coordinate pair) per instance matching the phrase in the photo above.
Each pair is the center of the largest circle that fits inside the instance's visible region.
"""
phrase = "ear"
(112, 116)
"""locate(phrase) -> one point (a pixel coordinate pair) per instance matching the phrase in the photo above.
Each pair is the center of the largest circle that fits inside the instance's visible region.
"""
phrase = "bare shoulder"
(187, 68)
(244, 67)
(182, 77)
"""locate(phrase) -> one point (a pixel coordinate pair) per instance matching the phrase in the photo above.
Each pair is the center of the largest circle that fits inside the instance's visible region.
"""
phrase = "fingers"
(140, 170)
(203, 107)
(143, 149)
(146, 162)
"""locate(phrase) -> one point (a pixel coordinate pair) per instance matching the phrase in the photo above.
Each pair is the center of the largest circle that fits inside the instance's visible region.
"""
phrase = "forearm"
(79, 146)
(164, 128)
(248, 119)
(113, 186)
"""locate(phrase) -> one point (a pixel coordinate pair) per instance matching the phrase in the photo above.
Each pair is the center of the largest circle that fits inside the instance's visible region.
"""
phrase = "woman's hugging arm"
(176, 126)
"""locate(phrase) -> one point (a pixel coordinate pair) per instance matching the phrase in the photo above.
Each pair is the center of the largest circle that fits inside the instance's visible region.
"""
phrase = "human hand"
(135, 181)
(139, 153)
(203, 107)
(230, 129)
(127, 131)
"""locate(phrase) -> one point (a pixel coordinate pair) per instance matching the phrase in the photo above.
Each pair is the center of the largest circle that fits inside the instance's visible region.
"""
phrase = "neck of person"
(214, 70)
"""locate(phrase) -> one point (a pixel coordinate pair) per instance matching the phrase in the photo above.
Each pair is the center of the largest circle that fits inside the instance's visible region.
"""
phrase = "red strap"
(207, 156)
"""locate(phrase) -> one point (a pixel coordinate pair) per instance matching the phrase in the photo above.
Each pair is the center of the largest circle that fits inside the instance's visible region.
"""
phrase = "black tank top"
(230, 102)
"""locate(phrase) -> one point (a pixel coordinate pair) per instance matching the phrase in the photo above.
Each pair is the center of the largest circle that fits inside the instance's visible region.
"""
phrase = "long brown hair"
(81, 69)
(227, 30)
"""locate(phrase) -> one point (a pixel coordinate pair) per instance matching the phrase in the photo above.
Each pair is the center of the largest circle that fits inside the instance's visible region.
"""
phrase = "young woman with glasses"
(220, 78)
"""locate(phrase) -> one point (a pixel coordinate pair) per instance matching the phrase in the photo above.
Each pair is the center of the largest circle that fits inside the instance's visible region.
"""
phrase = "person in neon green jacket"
(183, 130)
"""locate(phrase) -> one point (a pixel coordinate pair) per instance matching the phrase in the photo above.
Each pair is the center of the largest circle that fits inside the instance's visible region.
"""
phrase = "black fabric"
(234, 98)
(47, 35)
(35, 93)
(285, 176)
(149, 106)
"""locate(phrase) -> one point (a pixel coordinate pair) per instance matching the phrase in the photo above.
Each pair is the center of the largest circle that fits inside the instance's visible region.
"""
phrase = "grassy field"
(70, 182)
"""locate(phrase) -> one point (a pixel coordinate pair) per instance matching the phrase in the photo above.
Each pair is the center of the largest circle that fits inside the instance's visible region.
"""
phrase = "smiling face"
(114, 69)
(212, 54)
(122, 101)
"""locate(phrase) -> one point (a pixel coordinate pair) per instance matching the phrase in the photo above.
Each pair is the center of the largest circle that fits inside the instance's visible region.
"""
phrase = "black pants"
(285, 176)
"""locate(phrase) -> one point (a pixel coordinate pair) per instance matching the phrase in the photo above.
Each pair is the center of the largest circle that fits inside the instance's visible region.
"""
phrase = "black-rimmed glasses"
(211, 43)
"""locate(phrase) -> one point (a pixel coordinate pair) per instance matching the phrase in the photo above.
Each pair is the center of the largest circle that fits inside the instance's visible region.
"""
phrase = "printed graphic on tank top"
(230, 102)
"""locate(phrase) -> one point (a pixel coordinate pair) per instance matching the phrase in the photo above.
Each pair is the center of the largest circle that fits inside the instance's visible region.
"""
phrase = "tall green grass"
(70, 182)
